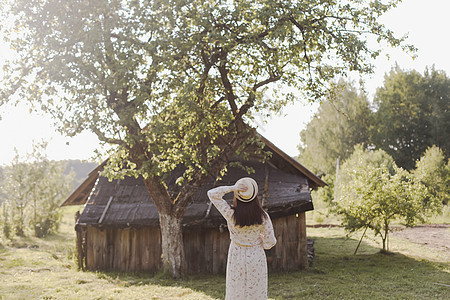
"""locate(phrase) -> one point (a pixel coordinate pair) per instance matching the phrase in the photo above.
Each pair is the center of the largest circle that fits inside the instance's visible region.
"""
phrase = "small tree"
(373, 194)
(433, 171)
(16, 190)
(34, 188)
(6, 226)
(323, 198)
(50, 190)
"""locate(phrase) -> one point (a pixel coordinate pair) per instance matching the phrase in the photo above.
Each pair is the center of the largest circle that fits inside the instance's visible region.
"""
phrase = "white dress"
(246, 266)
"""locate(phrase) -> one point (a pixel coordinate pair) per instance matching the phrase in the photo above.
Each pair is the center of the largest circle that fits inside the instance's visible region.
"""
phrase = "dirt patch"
(434, 236)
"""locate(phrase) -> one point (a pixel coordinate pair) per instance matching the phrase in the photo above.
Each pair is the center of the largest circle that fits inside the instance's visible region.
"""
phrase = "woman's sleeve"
(268, 235)
(216, 194)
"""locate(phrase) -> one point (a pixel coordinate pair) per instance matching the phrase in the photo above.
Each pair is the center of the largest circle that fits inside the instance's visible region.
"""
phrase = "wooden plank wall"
(206, 250)
(290, 253)
(129, 250)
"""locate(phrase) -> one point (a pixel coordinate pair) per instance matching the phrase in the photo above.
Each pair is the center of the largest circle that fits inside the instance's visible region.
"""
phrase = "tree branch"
(102, 137)
(229, 94)
(251, 97)
(305, 50)
(232, 143)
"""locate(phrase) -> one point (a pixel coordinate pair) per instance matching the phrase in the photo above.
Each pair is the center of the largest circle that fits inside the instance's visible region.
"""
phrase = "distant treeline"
(80, 168)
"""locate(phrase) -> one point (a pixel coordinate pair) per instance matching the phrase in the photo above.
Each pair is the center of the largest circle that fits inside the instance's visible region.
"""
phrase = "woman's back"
(252, 235)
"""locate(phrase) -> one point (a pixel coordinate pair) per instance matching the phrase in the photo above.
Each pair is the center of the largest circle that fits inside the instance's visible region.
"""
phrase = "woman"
(251, 232)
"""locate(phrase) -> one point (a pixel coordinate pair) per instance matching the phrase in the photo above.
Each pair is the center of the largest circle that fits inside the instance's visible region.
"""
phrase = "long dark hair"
(248, 213)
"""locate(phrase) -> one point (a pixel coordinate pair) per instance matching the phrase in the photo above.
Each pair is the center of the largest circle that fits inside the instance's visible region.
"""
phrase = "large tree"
(413, 113)
(174, 84)
(342, 121)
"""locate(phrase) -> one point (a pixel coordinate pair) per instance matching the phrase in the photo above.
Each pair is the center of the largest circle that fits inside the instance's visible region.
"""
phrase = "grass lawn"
(45, 269)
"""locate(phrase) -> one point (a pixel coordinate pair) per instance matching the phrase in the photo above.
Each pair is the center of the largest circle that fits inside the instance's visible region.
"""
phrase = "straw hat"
(252, 189)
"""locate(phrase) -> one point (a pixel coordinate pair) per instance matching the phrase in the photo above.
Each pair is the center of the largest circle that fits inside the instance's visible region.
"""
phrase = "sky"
(427, 27)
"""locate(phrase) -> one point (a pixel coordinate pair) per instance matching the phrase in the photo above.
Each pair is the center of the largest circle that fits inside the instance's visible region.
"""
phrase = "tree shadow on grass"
(207, 284)
(336, 274)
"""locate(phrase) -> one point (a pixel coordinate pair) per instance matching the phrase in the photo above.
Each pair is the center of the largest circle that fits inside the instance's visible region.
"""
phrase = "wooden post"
(302, 240)
(80, 250)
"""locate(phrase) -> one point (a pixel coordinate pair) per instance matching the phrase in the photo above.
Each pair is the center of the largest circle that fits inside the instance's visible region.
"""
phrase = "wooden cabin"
(118, 228)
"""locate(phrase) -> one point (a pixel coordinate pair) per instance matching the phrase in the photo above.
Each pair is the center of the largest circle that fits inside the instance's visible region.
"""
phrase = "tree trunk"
(35, 218)
(385, 238)
(172, 246)
(20, 223)
(170, 223)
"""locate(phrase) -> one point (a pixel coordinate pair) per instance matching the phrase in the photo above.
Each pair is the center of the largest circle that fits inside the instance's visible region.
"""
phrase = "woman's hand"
(240, 187)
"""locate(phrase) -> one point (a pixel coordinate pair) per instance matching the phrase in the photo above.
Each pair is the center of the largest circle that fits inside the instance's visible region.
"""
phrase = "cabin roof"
(126, 202)
(279, 158)
(284, 189)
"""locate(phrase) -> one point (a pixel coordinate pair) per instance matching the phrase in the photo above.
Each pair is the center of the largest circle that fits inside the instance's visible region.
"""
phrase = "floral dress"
(246, 265)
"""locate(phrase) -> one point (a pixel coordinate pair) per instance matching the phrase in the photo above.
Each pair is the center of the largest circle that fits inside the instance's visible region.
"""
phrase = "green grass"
(338, 274)
(45, 269)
